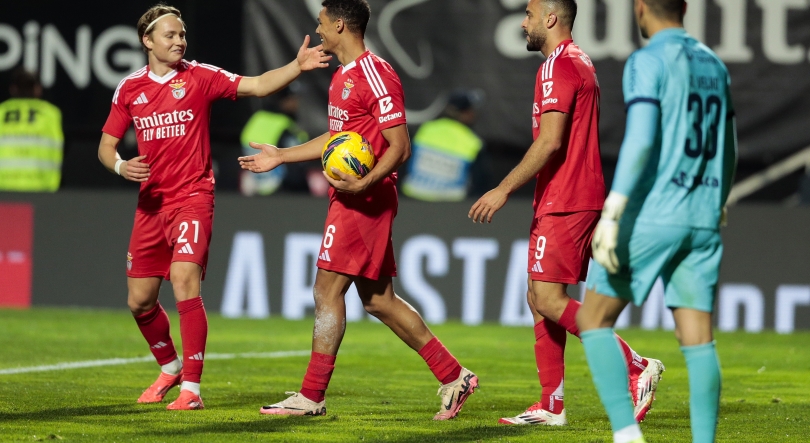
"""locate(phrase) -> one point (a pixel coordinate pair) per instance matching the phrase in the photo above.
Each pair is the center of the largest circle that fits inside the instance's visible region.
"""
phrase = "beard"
(535, 42)
(644, 32)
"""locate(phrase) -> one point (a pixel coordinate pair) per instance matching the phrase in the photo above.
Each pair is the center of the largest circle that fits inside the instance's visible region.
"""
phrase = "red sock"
(316, 380)
(635, 363)
(154, 326)
(193, 331)
(549, 353)
(440, 361)
(568, 319)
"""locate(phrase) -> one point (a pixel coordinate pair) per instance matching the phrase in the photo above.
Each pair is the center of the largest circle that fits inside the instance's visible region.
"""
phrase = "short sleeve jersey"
(683, 183)
(366, 97)
(171, 117)
(572, 180)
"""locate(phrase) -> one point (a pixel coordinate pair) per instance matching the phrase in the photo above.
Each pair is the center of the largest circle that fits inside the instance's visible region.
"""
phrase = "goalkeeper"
(663, 213)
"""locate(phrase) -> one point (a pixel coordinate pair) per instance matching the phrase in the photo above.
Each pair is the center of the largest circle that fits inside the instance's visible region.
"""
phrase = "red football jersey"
(572, 180)
(171, 116)
(366, 96)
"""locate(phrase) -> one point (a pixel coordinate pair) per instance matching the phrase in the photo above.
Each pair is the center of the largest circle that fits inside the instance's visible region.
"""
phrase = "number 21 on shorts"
(184, 228)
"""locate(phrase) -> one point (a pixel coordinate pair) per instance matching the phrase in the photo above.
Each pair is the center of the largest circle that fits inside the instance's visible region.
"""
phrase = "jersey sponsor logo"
(178, 88)
(338, 113)
(385, 105)
(336, 118)
(689, 181)
(141, 100)
(535, 108)
(335, 125)
(325, 256)
(347, 89)
(547, 86)
(167, 118)
(549, 100)
(389, 117)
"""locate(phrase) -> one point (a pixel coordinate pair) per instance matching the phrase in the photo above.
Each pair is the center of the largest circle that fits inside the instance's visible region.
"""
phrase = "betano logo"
(389, 117)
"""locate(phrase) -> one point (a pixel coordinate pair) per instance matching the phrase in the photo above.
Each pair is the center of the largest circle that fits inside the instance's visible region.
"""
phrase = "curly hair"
(355, 13)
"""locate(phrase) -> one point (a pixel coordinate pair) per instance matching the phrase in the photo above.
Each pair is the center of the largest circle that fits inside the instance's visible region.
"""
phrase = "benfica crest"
(178, 88)
(347, 89)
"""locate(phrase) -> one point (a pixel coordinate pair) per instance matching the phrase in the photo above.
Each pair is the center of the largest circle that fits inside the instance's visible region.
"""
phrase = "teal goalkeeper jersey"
(683, 179)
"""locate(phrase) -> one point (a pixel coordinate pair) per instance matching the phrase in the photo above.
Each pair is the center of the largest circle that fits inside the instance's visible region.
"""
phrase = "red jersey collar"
(170, 75)
(562, 43)
(354, 62)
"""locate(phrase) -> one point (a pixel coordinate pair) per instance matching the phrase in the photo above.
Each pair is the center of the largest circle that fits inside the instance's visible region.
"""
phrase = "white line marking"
(126, 361)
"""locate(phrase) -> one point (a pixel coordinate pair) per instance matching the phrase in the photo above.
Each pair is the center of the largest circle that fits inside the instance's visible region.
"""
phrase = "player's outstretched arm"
(553, 125)
(275, 80)
(133, 169)
(270, 157)
(399, 151)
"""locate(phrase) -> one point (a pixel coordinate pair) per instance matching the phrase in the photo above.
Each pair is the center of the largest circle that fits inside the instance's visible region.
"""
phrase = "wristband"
(118, 166)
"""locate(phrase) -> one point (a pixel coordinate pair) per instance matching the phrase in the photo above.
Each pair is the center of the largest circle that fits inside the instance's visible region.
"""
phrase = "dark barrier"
(263, 256)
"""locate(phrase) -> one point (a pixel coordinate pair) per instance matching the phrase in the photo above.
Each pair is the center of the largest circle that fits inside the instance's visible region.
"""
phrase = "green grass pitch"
(380, 391)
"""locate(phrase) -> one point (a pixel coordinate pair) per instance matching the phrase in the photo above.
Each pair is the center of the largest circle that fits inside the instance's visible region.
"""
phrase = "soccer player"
(169, 101)
(570, 191)
(663, 213)
(366, 97)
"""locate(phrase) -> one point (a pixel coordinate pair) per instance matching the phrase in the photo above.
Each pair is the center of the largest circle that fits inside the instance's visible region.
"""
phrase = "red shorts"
(357, 233)
(560, 246)
(161, 238)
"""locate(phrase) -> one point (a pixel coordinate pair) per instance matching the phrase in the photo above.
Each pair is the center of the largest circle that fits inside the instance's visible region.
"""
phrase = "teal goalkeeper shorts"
(687, 259)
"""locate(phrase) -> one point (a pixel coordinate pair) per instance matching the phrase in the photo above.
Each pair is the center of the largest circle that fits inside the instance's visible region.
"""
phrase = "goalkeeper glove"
(606, 234)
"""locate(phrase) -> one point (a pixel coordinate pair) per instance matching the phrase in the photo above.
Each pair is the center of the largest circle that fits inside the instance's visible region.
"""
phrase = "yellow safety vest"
(443, 151)
(31, 143)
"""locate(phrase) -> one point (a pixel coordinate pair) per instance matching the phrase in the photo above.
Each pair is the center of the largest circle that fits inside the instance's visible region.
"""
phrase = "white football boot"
(295, 404)
(536, 415)
(643, 388)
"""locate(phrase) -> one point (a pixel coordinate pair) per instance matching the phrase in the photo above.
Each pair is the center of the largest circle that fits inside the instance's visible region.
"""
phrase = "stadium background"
(72, 252)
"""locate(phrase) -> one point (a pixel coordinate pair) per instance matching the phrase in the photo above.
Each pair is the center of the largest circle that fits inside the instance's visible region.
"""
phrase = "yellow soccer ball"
(348, 152)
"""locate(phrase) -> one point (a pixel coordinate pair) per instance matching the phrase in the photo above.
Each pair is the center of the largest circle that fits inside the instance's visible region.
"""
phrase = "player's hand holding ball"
(268, 159)
(346, 158)
(606, 234)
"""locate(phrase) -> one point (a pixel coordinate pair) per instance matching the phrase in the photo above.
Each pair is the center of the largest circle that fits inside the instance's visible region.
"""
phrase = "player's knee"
(140, 304)
(586, 319)
(184, 287)
(374, 307)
